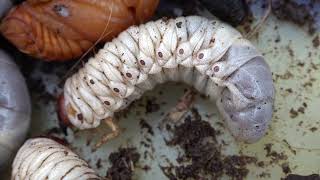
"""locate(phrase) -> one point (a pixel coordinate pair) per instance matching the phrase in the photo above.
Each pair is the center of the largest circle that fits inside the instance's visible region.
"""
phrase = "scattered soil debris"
(123, 163)
(292, 10)
(301, 177)
(202, 156)
(144, 125)
(275, 156)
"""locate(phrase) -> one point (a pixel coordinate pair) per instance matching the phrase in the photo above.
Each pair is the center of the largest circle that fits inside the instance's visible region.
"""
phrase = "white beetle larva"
(15, 109)
(206, 53)
(43, 158)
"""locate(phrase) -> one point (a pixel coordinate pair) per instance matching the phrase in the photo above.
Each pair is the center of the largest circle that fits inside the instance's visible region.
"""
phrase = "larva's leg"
(115, 132)
(182, 107)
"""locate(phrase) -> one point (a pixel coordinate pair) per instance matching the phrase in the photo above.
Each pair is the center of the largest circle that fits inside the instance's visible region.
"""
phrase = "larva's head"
(248, 108)
(62, 112)
(250, 124)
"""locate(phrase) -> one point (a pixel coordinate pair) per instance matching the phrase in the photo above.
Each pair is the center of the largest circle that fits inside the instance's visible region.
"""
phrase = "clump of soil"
(123, 163)
(202, 156)
(152, 106)
(292, 10)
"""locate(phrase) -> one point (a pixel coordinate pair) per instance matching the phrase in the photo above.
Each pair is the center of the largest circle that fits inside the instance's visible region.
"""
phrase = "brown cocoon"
(63, 29)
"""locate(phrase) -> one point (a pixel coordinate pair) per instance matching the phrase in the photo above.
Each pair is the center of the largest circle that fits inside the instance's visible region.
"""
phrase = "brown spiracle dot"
(80, 116)
(160, 54)
(216, 68)
(181, 51)
(129, 75)
(201, 55)
(212, 40)
(142, 62)
(116, 90)
(91, 81)
(107, 103)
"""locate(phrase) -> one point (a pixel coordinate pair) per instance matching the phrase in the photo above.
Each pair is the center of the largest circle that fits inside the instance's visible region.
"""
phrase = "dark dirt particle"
(260, 164)
(145, 125)
(98, 163)
(289, 90)
(285, 168)
(152, 106)
(146, 168)
(123, 162)
(290, 51)
(304, 104)
(313, 129)
(293, 113)
(316, 41)
(301, 110)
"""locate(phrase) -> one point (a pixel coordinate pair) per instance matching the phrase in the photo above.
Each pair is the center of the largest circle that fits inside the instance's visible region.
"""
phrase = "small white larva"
(46, 159)
(15, 109)
(206, 53)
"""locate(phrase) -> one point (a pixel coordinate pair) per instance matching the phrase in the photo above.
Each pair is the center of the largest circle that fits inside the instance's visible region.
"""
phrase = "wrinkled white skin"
(208, 54)
(4, 6)
(15, 109)
(45, 159)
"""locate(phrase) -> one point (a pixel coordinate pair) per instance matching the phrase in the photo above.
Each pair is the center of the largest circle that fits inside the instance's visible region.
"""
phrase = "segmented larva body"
(15, 109)
(206, 53)
(43, 158)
